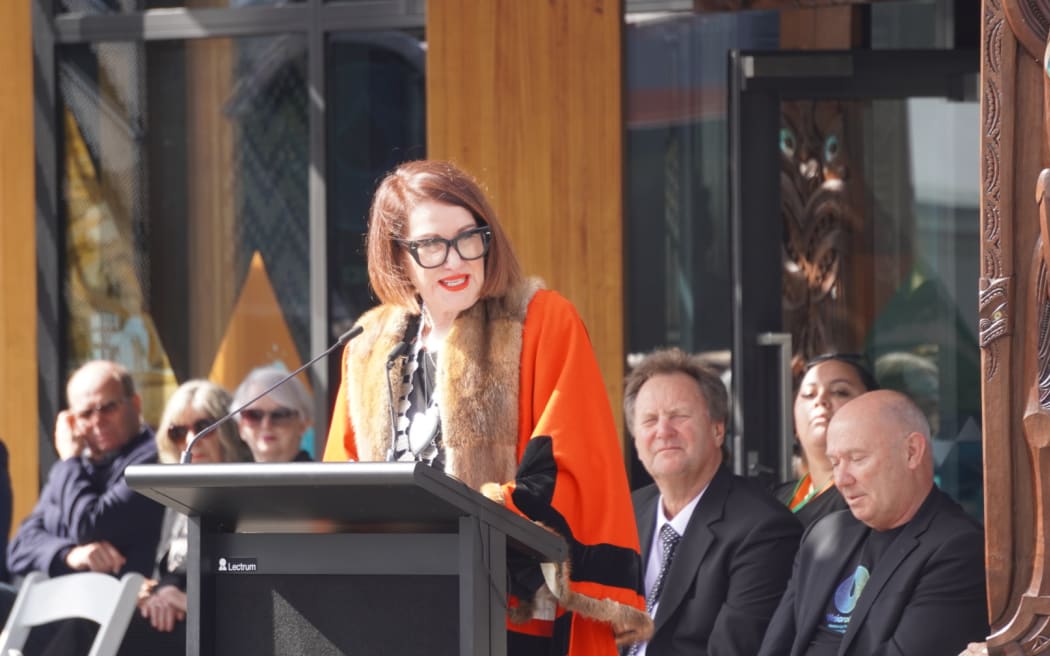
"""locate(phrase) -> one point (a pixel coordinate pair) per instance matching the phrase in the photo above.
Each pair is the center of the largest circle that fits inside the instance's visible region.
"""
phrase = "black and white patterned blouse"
(418, 411)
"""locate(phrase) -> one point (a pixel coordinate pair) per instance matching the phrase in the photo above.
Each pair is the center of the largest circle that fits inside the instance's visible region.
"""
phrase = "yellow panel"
(105, 300)
(257, 334)
(18, 368)
(527, 96)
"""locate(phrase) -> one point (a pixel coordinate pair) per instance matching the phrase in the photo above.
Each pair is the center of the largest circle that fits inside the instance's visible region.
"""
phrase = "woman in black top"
(828, 382)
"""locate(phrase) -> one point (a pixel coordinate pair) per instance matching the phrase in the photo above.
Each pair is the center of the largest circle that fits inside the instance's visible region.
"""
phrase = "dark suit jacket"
(85, 502)
(729, 569)
(926, 595)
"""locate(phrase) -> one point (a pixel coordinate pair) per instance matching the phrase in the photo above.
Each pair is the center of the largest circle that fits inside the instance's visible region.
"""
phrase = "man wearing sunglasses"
(87, 519)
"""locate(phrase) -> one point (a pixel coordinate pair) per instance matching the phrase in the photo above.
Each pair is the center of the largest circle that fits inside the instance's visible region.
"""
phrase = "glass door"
(854, 228)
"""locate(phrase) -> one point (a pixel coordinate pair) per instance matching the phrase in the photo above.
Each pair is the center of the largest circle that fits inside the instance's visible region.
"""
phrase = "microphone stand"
(343, 339)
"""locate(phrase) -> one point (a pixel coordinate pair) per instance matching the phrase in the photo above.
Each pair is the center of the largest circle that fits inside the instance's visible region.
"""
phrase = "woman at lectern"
(159, 626)
(475, 369)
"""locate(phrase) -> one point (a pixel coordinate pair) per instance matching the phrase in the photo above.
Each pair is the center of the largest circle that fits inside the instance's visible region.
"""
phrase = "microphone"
(343, 339)
(395, 353)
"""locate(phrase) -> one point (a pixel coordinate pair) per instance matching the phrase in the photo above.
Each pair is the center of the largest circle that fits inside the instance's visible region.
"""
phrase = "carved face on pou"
(818, 218)
(813, 143)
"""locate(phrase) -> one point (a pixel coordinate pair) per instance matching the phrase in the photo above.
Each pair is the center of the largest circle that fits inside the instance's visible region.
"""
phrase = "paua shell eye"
(831, 148)
(787, 141)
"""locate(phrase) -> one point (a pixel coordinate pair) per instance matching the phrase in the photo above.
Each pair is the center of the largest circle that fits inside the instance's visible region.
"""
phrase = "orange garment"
(570, 475)
(805, 492)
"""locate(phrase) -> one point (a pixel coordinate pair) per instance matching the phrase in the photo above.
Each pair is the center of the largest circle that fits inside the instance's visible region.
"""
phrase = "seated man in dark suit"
(731, 543)
(902, 572)
(86, 517)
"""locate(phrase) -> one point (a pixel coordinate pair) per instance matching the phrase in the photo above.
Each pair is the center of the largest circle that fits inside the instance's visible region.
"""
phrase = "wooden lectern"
(342, 559)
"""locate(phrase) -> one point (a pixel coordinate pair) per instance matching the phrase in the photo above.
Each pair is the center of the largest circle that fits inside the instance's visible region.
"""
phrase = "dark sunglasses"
(103, 410)
(177, 432)
(278, 416)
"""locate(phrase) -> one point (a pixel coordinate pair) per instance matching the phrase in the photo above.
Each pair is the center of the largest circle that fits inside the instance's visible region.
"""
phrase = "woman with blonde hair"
(159, 628)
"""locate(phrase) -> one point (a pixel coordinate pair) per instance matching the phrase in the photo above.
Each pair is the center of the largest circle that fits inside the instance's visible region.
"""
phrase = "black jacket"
(729, 569)
(926, 595)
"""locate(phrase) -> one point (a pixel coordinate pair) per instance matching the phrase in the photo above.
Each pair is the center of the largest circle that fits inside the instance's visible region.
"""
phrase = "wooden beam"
(821, 28)
(527, 97)
(18, 308)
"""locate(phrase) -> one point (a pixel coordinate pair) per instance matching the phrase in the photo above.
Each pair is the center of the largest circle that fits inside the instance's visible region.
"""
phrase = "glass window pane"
(677, 232)
(97, 7)
(677, 211)
(924, 261)
(376, 119)
(881, 218)
(185, 190)
(905, 25)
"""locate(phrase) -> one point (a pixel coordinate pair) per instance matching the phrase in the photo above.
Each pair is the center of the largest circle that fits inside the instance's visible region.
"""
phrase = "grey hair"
(671, 361)
(292, 394)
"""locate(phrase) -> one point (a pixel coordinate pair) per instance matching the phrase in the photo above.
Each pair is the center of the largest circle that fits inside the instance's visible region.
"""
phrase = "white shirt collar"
(681, 520)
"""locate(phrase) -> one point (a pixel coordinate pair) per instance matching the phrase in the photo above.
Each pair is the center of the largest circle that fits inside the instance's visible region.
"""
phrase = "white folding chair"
(105, 600)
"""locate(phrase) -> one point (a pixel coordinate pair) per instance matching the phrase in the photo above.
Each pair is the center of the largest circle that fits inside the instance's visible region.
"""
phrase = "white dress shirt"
(652, 568)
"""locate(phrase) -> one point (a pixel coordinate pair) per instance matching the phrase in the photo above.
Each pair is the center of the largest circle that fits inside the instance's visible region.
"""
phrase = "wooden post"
(18, 307)
(527, 97)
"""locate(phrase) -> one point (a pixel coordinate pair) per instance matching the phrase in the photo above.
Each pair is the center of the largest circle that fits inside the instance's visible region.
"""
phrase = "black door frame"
(758, 82)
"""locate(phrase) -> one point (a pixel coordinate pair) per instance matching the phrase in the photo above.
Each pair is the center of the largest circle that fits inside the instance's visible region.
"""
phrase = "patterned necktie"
(668, 541)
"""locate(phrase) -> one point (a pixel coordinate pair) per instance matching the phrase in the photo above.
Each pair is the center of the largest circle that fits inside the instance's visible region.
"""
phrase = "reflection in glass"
(376, 120)
(924, 338)
(97, 7)
(880, 231)
(677, 232)
(821, 197)
(911, 24)
(186, 208)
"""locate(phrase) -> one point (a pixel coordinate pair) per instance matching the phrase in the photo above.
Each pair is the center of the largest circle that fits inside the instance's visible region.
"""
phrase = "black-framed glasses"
(178, 432)
(103, 410)
(433, 252)
(278, 416)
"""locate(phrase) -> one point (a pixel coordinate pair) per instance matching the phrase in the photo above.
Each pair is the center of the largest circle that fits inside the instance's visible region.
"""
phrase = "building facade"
(186, 185)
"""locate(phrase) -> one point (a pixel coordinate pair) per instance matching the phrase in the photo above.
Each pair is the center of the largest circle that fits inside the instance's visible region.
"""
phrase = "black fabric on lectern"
(368, 615)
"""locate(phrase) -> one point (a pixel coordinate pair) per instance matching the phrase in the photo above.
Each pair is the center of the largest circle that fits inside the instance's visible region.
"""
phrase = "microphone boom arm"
(343, 339)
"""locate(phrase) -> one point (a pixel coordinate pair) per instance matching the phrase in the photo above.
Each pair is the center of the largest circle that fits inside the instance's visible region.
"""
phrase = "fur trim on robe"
(477, 382)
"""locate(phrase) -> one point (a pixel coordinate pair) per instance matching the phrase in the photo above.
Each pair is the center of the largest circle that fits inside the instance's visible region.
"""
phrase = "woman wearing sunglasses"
(159, 627)
(273, 427)
(829, 381)
(471, 367)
